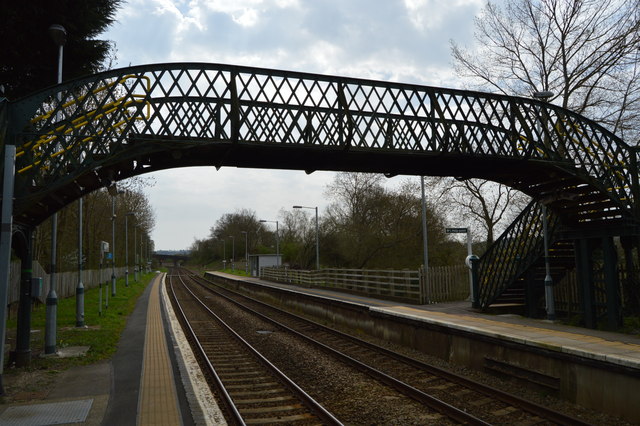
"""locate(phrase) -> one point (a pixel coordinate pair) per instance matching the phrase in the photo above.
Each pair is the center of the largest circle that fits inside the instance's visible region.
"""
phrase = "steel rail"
(523, 404)
(206, 364)
(316, 408)
(442, 407)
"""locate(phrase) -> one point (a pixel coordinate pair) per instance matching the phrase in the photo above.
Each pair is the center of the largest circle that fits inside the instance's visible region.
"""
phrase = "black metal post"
(23, 334)
(612, 283)
(585, 282)
(475, 264)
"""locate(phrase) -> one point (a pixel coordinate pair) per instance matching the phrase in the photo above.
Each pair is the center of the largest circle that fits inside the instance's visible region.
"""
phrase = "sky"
(406, 41)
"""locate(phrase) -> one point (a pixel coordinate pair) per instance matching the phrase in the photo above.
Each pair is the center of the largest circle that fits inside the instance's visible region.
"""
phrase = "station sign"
(456, 230)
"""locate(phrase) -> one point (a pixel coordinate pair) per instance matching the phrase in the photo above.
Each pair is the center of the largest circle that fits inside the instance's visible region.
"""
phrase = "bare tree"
(486, 204)
(373, 226)
(585, 51)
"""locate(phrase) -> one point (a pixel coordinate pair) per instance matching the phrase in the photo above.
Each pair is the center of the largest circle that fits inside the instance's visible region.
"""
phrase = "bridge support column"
(631, 287)
(23, 335)
(612, 283)
(584, 269)
(597, 269)
(531, 296)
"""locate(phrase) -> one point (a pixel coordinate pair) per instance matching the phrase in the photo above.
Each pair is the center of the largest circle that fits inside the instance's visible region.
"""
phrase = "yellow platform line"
(158, 403)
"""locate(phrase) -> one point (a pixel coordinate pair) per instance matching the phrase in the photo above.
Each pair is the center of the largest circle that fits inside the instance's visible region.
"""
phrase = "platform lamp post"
(246, 252)
(59, 36)
(425, 247)
(141, 251)
(135, 253)
(113, 191)
(126, 247)
(277, 240)
(548, 281)
(317, 234)
(233, 252)
(80, 286)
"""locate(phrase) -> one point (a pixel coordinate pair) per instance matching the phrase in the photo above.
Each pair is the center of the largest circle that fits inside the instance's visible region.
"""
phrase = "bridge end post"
(584, 271)
(475, 281)
(612, 283)
(5, 244)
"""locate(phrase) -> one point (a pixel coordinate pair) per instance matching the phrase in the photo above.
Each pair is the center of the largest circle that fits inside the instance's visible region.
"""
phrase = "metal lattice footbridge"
(76, 137)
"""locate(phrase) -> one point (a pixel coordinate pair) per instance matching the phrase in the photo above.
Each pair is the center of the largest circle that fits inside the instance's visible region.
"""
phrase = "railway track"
(252, 390)
(455, 396)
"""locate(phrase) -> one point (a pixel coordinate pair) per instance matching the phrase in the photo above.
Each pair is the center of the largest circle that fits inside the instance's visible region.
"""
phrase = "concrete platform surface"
(140, 385)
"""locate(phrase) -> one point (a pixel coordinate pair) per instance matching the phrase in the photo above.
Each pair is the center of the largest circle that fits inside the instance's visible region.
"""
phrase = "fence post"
(422, 279)
(475, 303)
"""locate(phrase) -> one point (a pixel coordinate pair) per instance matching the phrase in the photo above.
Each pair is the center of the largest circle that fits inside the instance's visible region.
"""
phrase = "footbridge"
(85, 134)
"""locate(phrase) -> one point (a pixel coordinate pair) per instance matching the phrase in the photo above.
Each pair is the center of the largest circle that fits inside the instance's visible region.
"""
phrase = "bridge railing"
(517, 249)
(204, 103)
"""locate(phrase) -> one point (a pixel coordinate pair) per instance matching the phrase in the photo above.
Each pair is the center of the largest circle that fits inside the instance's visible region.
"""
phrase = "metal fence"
(66, 282)
(441, 284)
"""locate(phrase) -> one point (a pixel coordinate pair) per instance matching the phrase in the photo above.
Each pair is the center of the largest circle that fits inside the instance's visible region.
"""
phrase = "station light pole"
(59, 36)
(548, 280)
(224, 253)
(246, 252)
(425, 248)
(141, 251)
(126, 247)
(277, 240)
(233, 252)
(135, 253)
(317, 234)
(113, 191)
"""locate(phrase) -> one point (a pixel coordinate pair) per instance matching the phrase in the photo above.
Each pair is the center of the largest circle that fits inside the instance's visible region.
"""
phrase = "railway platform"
(148, 382)
(594, 368)
(615, 348)
(145, 383)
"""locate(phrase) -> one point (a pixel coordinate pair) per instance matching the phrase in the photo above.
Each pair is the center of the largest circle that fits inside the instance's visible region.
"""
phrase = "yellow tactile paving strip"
(627, 354)
(158, 403)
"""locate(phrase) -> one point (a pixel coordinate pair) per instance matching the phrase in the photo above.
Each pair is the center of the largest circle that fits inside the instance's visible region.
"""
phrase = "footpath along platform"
(148, 381)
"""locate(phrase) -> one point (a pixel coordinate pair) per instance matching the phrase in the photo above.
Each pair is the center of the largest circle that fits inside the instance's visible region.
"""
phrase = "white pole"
(469, 253)
(425, 250)
(80, 287)
(5, 244)
(548, 281)
(51, 313)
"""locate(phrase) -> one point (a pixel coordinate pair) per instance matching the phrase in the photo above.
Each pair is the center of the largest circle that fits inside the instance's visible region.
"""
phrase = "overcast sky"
(404, 41)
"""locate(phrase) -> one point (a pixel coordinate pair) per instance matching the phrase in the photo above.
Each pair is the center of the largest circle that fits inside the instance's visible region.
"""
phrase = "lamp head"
(58, 34)
(544, 95)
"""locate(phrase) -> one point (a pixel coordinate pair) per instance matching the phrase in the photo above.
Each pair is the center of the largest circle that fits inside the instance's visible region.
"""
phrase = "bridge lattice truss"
(74, 138)
(81, 135)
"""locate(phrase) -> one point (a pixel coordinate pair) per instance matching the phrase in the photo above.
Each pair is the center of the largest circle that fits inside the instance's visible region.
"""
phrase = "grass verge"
(101, 332)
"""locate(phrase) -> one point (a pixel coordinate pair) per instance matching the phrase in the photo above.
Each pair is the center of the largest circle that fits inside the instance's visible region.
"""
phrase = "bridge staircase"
(512, 272)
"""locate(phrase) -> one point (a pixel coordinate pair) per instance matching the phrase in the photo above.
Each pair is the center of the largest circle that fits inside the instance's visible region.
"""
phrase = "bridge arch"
(87, 133)
(134, 120)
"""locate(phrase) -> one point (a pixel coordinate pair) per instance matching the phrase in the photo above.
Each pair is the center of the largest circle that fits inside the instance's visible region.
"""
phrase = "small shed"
(257, 261)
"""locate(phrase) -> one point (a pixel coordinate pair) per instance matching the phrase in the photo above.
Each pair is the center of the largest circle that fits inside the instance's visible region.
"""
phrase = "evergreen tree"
(29, 55)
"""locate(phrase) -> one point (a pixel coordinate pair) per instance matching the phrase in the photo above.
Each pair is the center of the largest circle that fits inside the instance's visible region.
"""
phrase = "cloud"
(397, 40)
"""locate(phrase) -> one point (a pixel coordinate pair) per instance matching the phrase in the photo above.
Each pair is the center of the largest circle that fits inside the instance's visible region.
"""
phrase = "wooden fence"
(443, 284)
(446, 284)
(66, 282)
